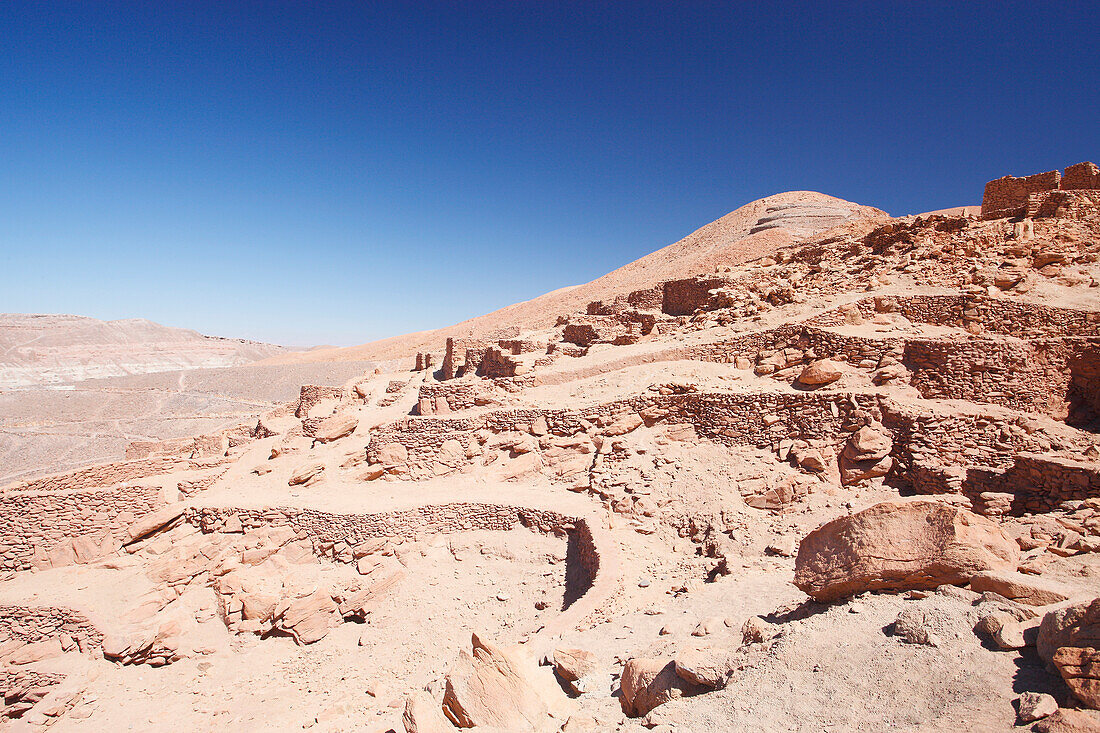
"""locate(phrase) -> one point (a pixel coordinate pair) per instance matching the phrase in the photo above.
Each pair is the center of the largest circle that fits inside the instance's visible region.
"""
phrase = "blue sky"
(329, 172)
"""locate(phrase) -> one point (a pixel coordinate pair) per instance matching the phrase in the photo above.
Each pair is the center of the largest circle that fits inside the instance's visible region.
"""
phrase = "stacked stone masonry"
(1009, 196)
(29, 624)
(313, 394)
(36, 524)
(326, 528)
(928, 448)
(108, 474)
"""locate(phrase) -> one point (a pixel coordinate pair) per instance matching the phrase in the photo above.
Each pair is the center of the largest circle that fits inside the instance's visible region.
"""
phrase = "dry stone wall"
(29, 624)
(312, 394)
(1035, 483)
(996, 315)
(1009, 196)
(107, 474)
(34, 524)
(326, 529)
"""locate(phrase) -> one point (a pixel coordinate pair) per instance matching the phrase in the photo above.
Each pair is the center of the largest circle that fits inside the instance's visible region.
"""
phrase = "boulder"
(306, 473)
(392, 454)
(1077, 624)
(1032, 706)
(572, 664)
(576, 668)
(710, 668)
(335, 427)
(310, 618)
(1080, 668)
(1017, 634)
(424, 715)
(1027, 589)
(155, 521)
(900, 546)
(868, 444)
(1066, 720)
(647, 683)
(490, 688)
(820, 373)
(756, 630)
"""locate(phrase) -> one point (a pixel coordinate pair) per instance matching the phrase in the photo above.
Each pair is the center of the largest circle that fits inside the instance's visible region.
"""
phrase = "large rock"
(306, 473)
(392, 454)
(1067, 720)
(821, 372)
(1077, 624)
(424, 715)
(900, 546)
(310, 618)
(868, 444)
(866, 456)
(1035, 706)
(1080, 668)
(1027, 589)
(335, 427)
(710, 668)
(647, 683)
(490, 688)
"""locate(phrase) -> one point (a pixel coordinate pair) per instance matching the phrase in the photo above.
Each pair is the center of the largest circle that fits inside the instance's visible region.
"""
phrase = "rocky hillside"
(40, 350)
(849, 480)
(755, 229)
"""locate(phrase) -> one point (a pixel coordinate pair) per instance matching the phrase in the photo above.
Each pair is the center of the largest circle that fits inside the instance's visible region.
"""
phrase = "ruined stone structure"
(1011, 196)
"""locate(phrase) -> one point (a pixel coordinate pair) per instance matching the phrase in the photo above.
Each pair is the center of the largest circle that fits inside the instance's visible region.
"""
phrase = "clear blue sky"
(321, 172)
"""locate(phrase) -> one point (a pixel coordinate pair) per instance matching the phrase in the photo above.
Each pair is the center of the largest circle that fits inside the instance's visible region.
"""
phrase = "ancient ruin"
(814, 450)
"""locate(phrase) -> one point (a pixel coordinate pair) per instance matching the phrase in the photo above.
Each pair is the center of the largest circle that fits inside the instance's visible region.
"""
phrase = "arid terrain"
(812, 467)
(76, 391)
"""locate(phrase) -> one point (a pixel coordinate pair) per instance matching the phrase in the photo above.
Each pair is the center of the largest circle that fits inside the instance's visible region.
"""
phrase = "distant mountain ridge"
(48, 349)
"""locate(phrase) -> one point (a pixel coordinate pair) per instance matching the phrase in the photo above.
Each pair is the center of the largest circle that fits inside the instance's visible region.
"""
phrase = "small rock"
(1032, 706)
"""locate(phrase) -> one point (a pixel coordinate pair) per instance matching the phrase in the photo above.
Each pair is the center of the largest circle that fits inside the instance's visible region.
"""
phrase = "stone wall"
(1036, 483)
(1008, 196)
(36, 524)
(1081, 176)
(312, 394)
(107, 474)
(29, 624)
(437, 399)
(1032, 376)
(325, 529)
(1064, 204)
(621, 328)
(995, 315)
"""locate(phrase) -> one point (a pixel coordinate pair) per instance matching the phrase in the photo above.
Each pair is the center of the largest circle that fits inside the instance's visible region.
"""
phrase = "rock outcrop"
(900, 546)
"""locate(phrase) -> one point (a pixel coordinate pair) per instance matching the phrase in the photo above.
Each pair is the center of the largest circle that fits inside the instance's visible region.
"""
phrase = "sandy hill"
(752, 231)
(47, 349)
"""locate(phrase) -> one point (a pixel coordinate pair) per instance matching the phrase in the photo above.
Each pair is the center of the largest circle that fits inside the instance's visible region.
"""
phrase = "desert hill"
(40, 349)
(752, 231)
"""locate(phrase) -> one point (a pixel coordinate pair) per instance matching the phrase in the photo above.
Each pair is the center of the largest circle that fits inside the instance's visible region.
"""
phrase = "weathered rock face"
(423, 715)
(902, 546)
(306, 473)
(647, 683)
(490, 688)
(1067, 720)
(1021, 588)
(1080, 668)
(820, 373)
(335, 427)
(1076, 625)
